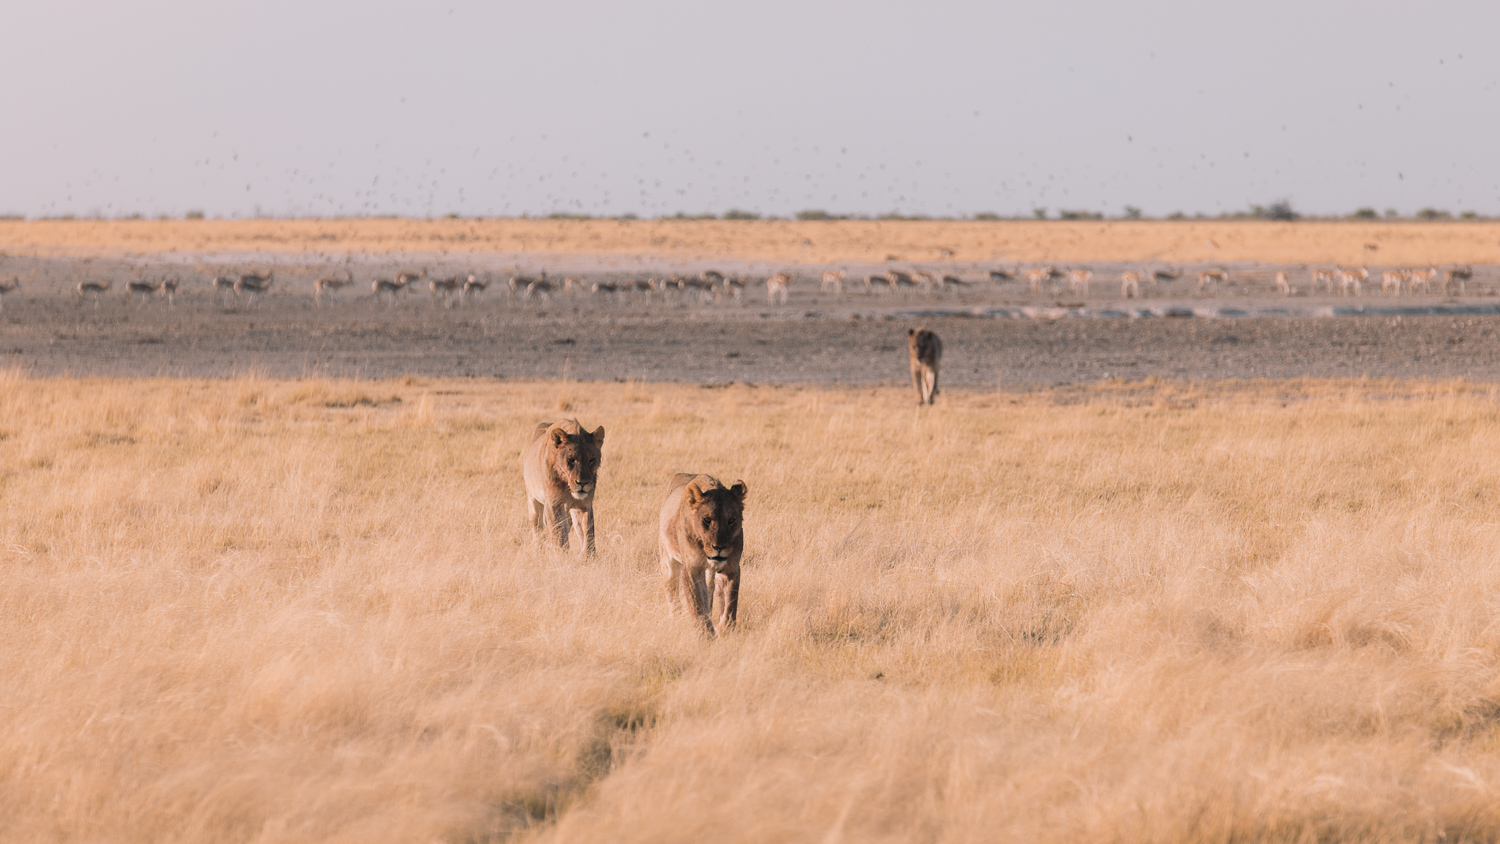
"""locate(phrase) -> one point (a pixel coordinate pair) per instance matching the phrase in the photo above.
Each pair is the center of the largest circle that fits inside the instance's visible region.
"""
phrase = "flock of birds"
(712, 285)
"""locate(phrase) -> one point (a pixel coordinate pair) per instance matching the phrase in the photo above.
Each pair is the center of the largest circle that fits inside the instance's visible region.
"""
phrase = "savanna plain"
(311, 610)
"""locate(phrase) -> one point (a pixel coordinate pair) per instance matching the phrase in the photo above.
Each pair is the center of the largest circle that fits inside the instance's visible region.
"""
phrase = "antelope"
(878, 279)
(330, 283)
(94, 287)
(1458, 274)
(1350, 280)
(1422, 277)
(899, 279)
(1372, 248)
(474, 285)
(522, 283)
(833, 279)
(1283, 285)
(714, 278)
(408, 277)
(776, 287)
(168, 289)
(1323, 276)
(1078, 280)
(998, 276)
(733, 287)
(1038, 275)
(1168, 274)
(1213, 277)
(443, 289)
(1130, 284)
(925, 279)
(7, 287)
(223, 284)
(953, 281)
(254, 283)
(538, 285)
(383, 286)
(1391, 281)
(141, 286)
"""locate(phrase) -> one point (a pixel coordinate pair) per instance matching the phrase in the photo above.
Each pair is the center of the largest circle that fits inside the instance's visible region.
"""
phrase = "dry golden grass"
(311, 611)
(869, 241)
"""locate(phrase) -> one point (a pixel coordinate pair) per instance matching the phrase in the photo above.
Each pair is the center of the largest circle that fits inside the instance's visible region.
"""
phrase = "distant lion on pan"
(926, 352)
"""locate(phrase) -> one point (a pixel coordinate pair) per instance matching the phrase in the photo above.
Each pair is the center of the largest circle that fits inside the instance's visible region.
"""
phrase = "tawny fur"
(561, 467)
(925, 351)
(701, 540)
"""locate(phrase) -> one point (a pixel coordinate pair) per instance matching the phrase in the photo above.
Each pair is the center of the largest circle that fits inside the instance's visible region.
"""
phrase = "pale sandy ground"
(1400, 242)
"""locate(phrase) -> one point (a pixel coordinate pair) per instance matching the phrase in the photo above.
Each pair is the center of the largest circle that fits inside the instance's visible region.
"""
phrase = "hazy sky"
(650, 107)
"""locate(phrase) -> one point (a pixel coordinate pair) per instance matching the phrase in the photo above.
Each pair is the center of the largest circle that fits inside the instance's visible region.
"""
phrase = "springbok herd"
(714, 286)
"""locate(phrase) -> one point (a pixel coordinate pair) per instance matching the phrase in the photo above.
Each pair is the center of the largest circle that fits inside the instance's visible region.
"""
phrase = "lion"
(926, 352)
(561, 466)
(702, 538)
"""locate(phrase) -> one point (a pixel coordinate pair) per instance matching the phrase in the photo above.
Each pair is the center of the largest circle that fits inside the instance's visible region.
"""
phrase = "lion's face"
(715, 518)
(575, 459)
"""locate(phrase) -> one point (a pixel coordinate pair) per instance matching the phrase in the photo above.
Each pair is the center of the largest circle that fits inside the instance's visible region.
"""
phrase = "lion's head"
(574, 453)
(715, 519)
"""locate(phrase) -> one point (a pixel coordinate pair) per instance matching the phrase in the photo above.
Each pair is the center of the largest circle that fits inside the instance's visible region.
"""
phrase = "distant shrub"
(681, 215)
(1469, 215)
(627, 216)
(815, 214)
(1433, 214)
(555, 215)
(1079, 215)
(737, 214)
(899, 217)
(193, 215)
(1364, 214)
(1132, 212)
(1278, 210)
(11, 218)
(1039, 213)
(987, 216)
(1176, 215)
(1391, 213)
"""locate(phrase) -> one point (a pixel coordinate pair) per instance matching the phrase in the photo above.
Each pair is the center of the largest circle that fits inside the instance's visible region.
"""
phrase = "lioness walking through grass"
(702, 538)
(561, 467)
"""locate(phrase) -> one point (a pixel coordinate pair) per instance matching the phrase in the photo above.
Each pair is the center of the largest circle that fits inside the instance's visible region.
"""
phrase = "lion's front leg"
(726, 600)
(558, 524)
(916, 383)
(538, 518)
(697, 586)
(672, 569)
(583, 525)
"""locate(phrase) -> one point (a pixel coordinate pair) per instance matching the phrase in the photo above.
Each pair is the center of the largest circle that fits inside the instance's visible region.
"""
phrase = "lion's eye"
(707, 522)
(571, 462)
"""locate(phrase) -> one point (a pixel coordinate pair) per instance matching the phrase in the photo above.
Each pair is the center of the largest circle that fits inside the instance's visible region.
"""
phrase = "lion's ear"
(694, 495)
(738, 491)
(559, 437)
(911, 332)
(599, 435)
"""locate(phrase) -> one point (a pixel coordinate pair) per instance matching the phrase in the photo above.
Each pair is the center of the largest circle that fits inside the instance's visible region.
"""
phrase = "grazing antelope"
(776, 287)
(1372, 248)
(94, 287)
(330, 283)
(1130, 284)
(168, 289)
(1391, 281)
(142, 286)
(833, 279)
(1213, 277)
(1458, 274)
(1323, 276)
(473, 286)
(713, 277)
(925, 280)
(899, 279)
(539, 285)
(948, 281)
(408, 277)
(386, 286)
(443, 289)
(254, 283)
(1168, 274)
(998, 276)
(223, 284)
(1350, 281)
(7, 287)
(1078, 281)
(1422, 277)
(875, 280)
(1037, 276)
(733, 287)
(1283, 284)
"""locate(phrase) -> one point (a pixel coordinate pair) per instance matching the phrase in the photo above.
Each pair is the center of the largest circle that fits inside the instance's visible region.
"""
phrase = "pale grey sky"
(654, 107)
